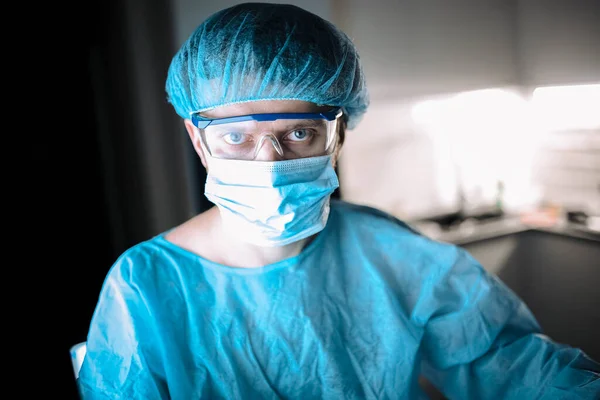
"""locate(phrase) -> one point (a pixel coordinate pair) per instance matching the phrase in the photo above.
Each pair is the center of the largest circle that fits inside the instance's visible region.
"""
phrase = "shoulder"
(393, 241)
(369, 218)
(138, 266)
(133, 283)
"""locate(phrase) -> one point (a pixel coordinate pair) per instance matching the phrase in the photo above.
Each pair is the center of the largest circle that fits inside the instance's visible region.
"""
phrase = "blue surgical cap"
(262, 51)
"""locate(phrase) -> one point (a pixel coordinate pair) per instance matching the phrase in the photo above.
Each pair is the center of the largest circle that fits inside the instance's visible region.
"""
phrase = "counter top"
(470, 231)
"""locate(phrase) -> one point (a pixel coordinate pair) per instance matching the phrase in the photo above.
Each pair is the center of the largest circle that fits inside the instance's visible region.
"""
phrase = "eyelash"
(309, 133)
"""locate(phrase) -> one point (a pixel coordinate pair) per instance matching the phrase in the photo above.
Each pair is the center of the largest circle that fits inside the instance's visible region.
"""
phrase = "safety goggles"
(292, 135)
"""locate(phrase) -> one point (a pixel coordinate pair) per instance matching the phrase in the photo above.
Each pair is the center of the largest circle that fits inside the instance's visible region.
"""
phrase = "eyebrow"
(302, 123)
(281, 124)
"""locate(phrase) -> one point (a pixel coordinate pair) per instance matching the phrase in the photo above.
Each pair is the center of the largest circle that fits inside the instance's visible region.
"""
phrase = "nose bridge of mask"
(273, 140)
(270, 173)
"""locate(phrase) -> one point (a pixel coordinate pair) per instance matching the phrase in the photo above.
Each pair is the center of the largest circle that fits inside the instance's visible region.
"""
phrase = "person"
(280, 291)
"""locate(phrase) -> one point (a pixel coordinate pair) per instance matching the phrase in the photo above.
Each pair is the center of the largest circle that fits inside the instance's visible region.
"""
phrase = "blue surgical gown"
(363, 311)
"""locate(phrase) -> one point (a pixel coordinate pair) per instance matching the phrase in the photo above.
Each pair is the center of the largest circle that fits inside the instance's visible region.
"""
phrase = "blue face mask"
(272, 203)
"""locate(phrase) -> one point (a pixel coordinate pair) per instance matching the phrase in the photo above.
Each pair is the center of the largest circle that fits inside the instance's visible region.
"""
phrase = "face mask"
(272, 203)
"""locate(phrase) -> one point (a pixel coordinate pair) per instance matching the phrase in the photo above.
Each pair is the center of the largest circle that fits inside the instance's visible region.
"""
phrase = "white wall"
(416, 47)
(559, 41)
(415, 50)
(567, 170)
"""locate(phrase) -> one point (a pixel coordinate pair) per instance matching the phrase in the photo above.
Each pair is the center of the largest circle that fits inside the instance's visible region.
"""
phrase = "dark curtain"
(121, 168)
(147, 165)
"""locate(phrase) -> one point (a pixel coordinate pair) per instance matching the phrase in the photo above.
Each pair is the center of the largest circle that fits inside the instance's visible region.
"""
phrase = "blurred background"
(483, 130)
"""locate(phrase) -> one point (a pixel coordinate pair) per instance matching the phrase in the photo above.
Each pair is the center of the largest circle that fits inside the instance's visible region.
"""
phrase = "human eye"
(299, 135)
(235, 138)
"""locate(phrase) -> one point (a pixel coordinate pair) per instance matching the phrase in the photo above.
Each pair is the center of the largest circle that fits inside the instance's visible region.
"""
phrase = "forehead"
(264, 107)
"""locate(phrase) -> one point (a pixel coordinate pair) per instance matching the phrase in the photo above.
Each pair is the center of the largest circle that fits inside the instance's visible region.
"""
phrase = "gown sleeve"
(482, 342)
(121, 360)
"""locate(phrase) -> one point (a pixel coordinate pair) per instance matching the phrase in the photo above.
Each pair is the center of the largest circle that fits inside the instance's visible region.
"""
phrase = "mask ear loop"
(274, 142)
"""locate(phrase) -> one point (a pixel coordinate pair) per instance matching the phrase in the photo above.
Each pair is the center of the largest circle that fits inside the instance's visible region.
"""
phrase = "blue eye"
(299, 135)
(234, 138)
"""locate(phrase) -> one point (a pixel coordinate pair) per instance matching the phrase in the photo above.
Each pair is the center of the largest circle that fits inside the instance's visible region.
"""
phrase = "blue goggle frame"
(202, 122)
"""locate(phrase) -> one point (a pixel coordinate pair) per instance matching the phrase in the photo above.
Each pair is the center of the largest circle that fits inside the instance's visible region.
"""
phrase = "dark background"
(83, 194)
